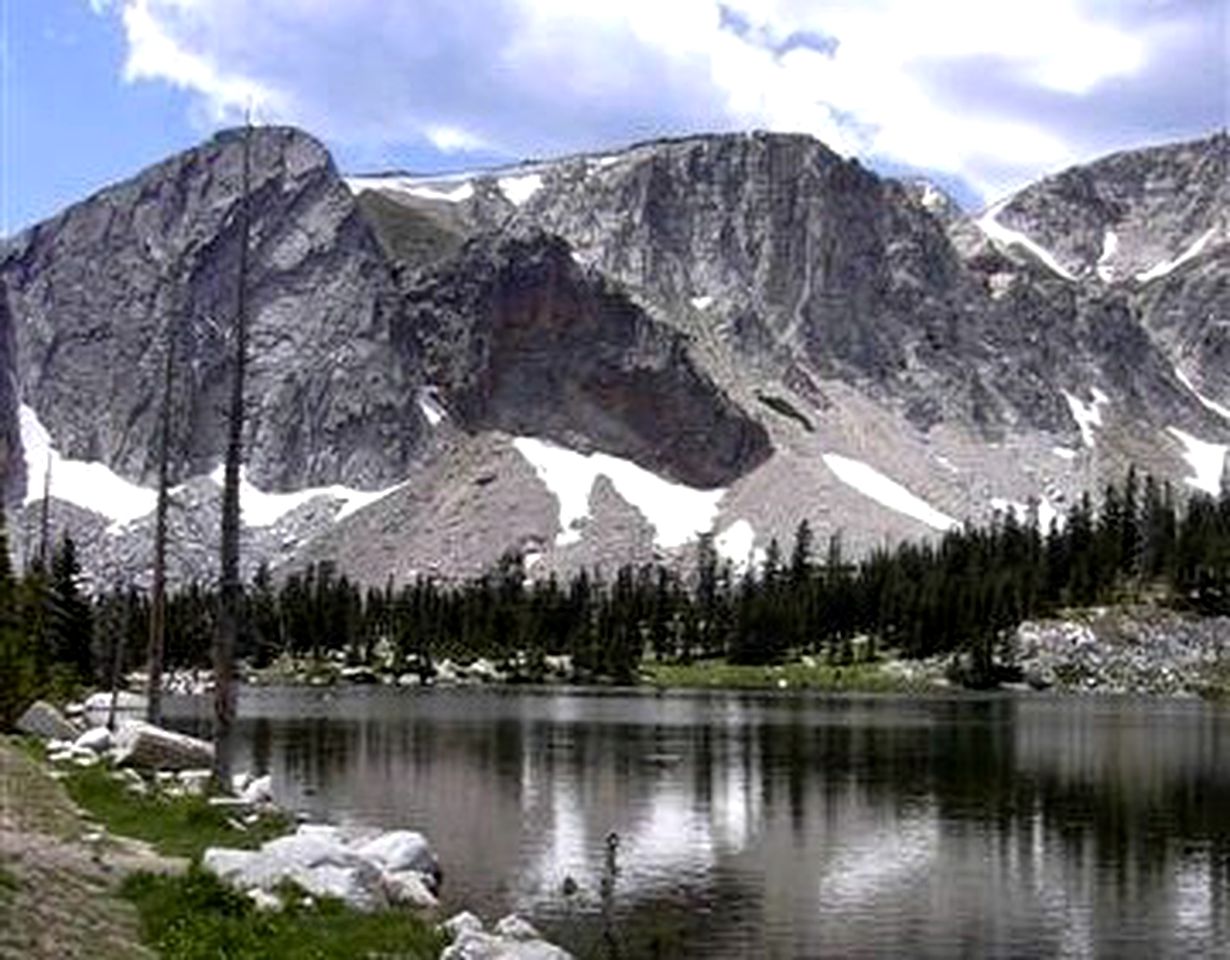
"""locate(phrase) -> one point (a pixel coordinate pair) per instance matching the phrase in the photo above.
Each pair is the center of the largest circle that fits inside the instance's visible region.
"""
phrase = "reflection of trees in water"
(996, 821)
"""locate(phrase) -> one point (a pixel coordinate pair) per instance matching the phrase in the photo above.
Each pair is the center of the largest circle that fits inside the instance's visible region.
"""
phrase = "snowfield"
(1087, 415)
(96, 487)
(521, 188)
(1207, 460)
(1007, 237)
(1159, 270)
(414, 187)
(871, 483)
(84, 483)
(677, 513)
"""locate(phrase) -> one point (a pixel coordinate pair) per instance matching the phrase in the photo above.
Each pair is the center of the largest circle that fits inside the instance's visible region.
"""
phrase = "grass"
(196, 917)
(175, 826)
(830, 678)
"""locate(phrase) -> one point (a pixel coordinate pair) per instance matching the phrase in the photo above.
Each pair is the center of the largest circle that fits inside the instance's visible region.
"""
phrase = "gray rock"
(141, 744)
(41, 719)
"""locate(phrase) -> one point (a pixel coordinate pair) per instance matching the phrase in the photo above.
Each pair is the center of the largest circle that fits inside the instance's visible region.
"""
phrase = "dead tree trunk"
(226, 639)
(158, 601)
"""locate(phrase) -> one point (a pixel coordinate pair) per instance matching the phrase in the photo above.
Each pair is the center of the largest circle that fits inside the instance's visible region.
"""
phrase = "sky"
(983, 96)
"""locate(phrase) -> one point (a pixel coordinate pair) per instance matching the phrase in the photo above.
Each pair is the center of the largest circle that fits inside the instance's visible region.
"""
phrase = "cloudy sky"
(985, 95)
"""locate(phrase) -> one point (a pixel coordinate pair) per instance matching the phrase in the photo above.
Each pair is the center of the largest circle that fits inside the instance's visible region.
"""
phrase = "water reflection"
(774, 826)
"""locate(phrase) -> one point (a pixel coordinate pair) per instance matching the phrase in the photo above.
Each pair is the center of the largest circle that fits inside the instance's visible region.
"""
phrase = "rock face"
(520, 338)
(95, 296)
(749, 316)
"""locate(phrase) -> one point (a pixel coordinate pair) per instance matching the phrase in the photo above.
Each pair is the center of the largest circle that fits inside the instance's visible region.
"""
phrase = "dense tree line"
(962, 592)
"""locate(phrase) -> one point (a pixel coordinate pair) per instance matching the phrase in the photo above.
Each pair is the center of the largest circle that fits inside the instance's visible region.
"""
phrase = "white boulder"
(141, 744)
(401, 850)
(259, 790)
(97, 739)
(409, 888)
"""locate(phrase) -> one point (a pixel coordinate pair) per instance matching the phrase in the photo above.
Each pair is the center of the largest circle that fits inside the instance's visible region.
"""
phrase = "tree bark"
(158, 602)
(226, 639)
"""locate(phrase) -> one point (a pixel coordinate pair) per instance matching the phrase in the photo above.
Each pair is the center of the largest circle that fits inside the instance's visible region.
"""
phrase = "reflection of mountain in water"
(781, 826)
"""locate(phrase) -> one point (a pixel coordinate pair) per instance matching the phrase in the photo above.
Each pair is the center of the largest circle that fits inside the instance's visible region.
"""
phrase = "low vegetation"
(173, 825)
(196, 917)
(863, 677)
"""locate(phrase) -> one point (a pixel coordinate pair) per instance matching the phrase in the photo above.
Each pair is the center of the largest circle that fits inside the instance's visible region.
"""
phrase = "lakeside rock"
(141, 744)
(366, 873)
(513, 938)
(44, 721)
(1126, 651)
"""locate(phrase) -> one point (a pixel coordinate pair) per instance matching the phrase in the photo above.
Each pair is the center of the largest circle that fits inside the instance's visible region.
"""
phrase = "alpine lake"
(628, 823)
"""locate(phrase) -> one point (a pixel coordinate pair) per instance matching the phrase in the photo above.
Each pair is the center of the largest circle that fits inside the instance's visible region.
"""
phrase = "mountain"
(595, 358)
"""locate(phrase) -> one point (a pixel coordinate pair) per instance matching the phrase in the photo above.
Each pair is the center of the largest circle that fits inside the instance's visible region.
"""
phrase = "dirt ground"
(58, 875)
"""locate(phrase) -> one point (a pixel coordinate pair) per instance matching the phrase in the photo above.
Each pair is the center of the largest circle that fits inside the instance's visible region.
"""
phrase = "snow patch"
(432, 189)
(932, 199)
(1007, 237)
(1159, 270)
(521, 188)
(676, 512)
(430, 406)
(1207, 460)
(736, 543)
(1087, 415)
(1213, 405)
(871, 483)
(702, 303)
(1064, 453)
(1110, 245)
(85, 483)
(260, 509)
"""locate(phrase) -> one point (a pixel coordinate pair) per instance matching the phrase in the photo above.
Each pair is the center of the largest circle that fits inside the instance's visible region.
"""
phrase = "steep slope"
(96, 294)
(595, 359)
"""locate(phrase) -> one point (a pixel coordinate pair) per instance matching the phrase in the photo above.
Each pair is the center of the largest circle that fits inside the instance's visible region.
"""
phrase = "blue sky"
(983, 96)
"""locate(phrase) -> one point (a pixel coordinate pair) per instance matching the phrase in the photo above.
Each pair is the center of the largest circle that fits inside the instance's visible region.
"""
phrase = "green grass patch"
(8, 884)
(196, 917)
(175, 826)
(831, 678)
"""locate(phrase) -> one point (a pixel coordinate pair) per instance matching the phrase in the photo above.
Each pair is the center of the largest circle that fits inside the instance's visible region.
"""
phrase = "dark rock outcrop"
(520, 338)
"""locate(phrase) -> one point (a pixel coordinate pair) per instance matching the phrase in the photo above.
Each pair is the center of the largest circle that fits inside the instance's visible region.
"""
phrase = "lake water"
(783, 826)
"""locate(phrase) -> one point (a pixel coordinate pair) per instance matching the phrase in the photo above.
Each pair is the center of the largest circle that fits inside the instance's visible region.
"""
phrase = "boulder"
(259, 790)
(464, 922)
(409, 888)
(97, 739)
(488, 946)
(43, 720)
(402, 850)
(513, 927)
(141, 744)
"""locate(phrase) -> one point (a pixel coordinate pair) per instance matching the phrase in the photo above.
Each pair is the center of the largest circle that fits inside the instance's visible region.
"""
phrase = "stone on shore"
(326, 862)
(141, 744)
(514, 939)
(97, 739)
(43, 720)
(400, 850)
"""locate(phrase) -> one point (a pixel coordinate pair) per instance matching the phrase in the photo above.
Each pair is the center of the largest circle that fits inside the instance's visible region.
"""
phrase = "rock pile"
(1125, 651)
(512, 938)
(364, 871)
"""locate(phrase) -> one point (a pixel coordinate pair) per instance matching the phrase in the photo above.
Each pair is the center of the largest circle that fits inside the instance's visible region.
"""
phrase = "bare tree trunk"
(44, 520)
(226, 639)
(158, 602)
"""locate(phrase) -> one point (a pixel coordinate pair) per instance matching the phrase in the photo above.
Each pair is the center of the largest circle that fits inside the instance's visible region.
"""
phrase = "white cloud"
(534, 76)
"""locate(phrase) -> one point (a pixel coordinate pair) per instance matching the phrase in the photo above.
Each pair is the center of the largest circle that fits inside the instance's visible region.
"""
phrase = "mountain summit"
(598, 358)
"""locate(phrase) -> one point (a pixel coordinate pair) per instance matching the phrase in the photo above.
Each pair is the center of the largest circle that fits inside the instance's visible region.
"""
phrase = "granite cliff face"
(756, 325)
(98, 293)
(518, 337)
